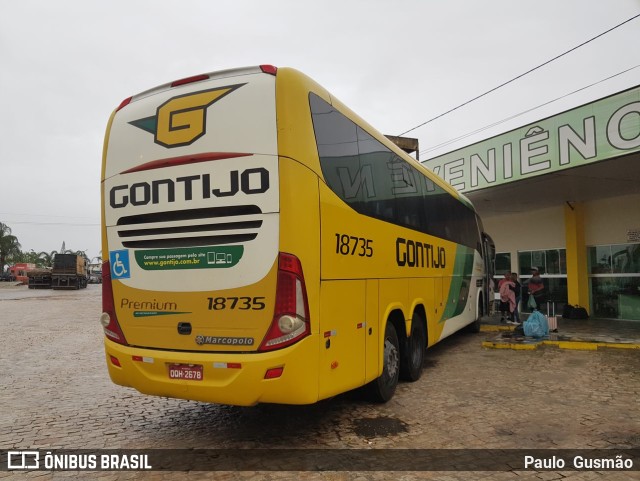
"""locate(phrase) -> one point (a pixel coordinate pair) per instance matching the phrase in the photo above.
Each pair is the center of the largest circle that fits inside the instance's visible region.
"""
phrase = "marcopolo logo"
(182, 120)
(224, 341)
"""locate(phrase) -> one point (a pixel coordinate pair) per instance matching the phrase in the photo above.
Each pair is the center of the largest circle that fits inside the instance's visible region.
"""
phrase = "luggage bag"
(552, 319)
(574, 312)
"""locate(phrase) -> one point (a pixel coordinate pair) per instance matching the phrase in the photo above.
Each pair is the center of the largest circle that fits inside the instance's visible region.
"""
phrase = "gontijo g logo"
(182, 120)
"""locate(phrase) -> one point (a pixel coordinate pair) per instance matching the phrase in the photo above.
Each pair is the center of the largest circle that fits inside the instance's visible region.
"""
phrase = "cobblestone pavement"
(56, 394)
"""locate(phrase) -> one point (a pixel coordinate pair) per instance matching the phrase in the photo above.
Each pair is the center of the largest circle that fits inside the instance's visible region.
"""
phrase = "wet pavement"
(56, 394)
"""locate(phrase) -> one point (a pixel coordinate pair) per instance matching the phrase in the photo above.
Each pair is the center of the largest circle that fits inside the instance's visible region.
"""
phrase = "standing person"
(507, 298)
(535, 286)
(517, 290)
(503, 305)
(507, 277)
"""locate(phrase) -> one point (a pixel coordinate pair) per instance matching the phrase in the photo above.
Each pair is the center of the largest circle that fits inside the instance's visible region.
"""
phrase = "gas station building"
(563, 194)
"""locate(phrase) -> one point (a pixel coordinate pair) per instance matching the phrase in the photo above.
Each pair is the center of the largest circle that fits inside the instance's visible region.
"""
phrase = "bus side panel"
(300, 226)
(343, 329)
(421, 292)
(373, 331)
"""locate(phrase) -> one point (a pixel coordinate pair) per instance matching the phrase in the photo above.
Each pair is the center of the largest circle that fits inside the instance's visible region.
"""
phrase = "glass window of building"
(552, 264)
(615, 281)
(503, 264)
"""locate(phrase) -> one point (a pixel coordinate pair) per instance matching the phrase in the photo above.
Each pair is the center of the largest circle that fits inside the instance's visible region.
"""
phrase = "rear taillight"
(291, 315)
(108, 318)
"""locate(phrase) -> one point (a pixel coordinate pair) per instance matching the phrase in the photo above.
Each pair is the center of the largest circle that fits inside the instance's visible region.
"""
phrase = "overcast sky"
(66, 64)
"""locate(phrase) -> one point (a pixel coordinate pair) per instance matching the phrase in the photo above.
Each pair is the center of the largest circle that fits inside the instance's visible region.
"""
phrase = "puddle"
(379, 427)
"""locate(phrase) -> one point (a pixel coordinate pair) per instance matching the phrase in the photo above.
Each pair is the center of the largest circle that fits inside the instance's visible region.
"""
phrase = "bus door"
(489, 256)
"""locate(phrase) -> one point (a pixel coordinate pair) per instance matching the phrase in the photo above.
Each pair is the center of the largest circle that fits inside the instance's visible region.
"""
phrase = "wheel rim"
(416, 354)
(392, 359)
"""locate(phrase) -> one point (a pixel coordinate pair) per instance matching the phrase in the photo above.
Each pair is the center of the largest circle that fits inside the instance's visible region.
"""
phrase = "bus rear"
(198, 300)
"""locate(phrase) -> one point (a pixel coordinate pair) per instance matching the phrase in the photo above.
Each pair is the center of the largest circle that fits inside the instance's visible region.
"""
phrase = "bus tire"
(414, 351)
(383, 388)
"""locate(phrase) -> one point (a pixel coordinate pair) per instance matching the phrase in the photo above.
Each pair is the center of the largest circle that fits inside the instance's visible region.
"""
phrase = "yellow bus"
(264, 244)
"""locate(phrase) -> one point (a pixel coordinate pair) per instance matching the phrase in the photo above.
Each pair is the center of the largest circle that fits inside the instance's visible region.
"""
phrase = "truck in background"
(39, 278)
(69, 272)
(19, 271)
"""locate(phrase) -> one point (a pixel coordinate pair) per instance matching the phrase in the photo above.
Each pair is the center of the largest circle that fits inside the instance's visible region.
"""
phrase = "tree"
(30, 257)
(9, 245)
(46, 258)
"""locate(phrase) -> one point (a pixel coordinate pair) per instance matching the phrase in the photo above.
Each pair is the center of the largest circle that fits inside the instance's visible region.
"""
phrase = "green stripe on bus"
(460, 283)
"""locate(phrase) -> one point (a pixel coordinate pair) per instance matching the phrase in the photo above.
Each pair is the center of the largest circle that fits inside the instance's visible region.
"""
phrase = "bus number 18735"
(350, 245)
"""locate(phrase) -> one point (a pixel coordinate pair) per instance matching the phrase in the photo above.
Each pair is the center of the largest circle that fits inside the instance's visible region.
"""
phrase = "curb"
(531, 344)
(578, 345)
(495, 328)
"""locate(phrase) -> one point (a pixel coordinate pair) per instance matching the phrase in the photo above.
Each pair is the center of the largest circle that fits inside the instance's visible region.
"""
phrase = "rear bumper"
(243, 386)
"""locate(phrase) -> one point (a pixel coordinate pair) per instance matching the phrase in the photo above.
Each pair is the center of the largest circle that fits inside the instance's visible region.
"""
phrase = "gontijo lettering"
(419, 254)
(249, 181)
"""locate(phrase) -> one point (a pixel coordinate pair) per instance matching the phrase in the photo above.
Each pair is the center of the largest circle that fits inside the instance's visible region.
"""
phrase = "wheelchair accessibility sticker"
(120, 264)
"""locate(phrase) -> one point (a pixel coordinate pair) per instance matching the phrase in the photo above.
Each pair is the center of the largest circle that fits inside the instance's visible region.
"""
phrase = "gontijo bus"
(262, 243)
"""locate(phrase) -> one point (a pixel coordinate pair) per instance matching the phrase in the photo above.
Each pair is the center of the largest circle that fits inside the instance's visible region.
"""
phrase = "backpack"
(536, 325)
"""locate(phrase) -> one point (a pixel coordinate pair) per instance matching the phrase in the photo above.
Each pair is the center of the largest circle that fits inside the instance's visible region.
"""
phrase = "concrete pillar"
(577, 273)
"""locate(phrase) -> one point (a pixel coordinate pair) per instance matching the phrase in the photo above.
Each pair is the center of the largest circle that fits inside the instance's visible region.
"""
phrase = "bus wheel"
(383, 388)
(413, 354)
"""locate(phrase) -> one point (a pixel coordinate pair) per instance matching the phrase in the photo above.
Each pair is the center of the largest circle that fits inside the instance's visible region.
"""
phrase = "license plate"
(190, 372)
